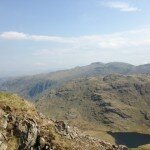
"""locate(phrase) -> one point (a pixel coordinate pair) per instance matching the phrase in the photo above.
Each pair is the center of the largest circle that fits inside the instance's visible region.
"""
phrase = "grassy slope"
(20, 108)
(97, 105)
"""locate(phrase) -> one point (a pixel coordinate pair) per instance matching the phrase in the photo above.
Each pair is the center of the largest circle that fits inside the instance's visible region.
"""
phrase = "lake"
(130, 139)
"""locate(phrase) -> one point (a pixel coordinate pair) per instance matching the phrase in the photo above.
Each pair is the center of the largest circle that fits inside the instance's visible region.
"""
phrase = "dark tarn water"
(130, 139)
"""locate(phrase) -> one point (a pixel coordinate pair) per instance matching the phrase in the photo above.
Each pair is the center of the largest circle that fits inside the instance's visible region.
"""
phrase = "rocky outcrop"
(23, 128)
(30, 135)
(74, 133)
(115, 111)
(3, 126)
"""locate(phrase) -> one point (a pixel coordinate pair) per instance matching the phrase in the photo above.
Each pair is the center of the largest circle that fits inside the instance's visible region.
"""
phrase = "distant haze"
(143, 68)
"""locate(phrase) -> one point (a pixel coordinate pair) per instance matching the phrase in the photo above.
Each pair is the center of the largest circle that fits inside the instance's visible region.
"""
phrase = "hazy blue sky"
(39, 35)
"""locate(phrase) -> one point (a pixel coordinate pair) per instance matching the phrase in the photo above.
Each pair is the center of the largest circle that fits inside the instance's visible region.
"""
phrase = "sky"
(48, 35)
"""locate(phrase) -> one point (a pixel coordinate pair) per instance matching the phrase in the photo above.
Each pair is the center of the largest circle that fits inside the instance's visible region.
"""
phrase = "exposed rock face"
(28, 136)
(24, 129)
(3, 126)
(74, 133)
(66, 130)
(115, 110)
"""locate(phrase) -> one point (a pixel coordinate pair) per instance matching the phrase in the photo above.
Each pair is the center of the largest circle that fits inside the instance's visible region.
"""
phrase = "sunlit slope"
(113, 102)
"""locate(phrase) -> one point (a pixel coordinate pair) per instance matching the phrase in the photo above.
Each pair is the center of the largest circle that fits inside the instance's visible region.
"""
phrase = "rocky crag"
(23, 128)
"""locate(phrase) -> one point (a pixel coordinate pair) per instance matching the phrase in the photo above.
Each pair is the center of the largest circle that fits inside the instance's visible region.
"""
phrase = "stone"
(42, 142)
(60, 125)
(4, 121)
(3, 146)
(27, 133)
(7, 109)
(122, 147)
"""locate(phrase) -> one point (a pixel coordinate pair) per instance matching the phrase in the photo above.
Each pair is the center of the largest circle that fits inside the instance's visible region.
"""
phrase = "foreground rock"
(23, 128)
(74, 133)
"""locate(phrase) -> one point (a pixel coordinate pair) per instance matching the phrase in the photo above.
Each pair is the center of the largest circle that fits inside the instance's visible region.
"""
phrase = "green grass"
(129, 95)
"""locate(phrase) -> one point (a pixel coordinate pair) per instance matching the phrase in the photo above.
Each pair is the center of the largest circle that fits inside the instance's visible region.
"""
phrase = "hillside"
(141, 69)
(23, 128)
(115, 103)
(33, 87)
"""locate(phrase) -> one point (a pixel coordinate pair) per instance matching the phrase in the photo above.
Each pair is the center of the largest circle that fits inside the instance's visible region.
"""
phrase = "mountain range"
(32, 87)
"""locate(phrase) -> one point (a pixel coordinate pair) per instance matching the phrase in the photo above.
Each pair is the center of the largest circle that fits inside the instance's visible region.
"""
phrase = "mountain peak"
(97, 63)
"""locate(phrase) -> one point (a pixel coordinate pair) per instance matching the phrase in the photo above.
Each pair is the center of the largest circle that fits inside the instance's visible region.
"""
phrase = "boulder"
(28, 133)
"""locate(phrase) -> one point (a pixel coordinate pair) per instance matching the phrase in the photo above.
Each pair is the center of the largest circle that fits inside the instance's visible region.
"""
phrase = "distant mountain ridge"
(31, 87)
